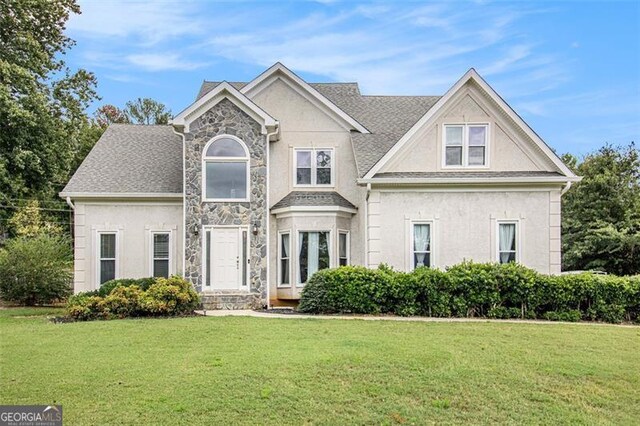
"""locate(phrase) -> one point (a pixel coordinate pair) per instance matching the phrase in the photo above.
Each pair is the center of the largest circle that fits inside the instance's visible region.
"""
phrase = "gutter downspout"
(268, 213)
(70, 204)
(366, 227)
(566, 188)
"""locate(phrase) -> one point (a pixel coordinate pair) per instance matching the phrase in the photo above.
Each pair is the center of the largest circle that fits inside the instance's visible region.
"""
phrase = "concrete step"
(233, 301)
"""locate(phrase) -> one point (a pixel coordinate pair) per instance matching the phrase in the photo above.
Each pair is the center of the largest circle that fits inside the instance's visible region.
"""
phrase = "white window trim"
(246, 159)
(279, 265)
(151, 250)
(99, 255)
(314, 168)
(348, 234)
(297, 252)
(518, 238)
(410, 259)
(204, 264)
(465, 145)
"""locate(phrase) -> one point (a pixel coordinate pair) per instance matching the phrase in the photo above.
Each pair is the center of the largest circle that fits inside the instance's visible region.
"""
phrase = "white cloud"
(162, 62)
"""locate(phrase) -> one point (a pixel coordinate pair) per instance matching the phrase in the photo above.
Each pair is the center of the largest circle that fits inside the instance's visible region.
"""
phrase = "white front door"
(227, 258)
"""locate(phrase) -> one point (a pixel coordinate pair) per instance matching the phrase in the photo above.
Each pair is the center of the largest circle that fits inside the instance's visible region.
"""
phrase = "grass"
(206, 370)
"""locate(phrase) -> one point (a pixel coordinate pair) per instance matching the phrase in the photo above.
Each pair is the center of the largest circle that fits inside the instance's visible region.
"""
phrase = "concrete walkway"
(259, 314)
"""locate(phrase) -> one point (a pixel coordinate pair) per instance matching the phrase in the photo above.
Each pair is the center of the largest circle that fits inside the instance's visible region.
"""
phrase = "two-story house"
(256, 186)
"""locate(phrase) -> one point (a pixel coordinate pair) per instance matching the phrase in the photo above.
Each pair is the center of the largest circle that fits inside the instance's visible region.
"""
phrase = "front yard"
(205, 370)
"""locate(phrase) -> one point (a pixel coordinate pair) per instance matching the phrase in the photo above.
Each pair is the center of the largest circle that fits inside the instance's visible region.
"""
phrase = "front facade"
(255, 186)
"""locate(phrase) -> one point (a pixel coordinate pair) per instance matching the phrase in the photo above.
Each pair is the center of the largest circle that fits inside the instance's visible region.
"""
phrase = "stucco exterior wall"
(304, 125)
(133, 222)
(508, 148)
(464, 225)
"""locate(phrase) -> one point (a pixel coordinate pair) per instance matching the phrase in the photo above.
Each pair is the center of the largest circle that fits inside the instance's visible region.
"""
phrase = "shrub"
(474, 289)
(36, 270)
(164, 297)
(106, 288)
(352, 289)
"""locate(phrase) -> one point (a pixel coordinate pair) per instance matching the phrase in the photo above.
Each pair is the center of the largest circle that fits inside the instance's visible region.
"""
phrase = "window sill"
(225, 200)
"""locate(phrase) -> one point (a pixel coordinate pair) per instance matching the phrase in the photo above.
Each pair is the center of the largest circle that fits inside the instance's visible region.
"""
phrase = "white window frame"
(465, 146)
(152, 257)
(279, 266)
(412, 265)
(99, 257)
(348, 246)
(518, 239)
(297, 252)
(246, 159)
(314, 168)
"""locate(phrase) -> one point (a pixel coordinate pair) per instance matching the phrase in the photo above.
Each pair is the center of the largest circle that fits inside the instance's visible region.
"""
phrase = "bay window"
(284, 263)
(313, 254)
(343, 248)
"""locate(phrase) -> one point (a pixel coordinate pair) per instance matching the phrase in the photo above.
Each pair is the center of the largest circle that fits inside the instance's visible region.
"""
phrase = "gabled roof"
(131, 160)
(473, 76)
(222, 91)
(279, 71)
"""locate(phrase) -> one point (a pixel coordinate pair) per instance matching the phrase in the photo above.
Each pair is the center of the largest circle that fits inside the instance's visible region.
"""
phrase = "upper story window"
(226, 170)
(465, 145)
(314, 167)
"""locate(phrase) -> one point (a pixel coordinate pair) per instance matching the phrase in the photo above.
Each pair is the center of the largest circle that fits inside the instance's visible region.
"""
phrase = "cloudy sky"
(570, 69)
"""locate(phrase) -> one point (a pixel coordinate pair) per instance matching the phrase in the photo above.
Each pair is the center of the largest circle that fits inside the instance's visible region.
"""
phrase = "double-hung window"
(314, 167)
(343, 248)
(313, 254)
(284, 265)
(465, 145)
(421, 247)
(107, 249)
(226, 170)
(160, 261)
(507, 242)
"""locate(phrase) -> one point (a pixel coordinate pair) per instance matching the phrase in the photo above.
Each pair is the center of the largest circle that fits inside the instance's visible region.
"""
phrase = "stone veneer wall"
(226, 118)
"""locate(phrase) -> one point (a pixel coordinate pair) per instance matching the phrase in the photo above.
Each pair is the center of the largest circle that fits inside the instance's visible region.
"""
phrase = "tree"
(28, 222)
(42, 102)
(601, 214)
(147, 111)
(108, 114)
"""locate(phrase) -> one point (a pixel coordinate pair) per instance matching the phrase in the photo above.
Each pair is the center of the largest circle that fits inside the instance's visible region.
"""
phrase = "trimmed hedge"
(473, 290)
(135, 298)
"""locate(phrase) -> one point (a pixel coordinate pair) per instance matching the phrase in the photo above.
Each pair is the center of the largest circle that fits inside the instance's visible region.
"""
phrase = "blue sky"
(570, 69)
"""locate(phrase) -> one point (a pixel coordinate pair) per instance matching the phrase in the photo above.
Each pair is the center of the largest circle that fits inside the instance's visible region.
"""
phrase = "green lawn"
(276, 371)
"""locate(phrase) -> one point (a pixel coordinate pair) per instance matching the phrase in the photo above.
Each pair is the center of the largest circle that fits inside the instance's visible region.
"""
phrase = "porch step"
(234, 301)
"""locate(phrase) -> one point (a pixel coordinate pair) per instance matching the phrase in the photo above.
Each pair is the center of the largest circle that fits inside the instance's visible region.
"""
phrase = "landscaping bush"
(36, 270)
(471, 290)
(352, 289)
(172, 296)
(106, 288)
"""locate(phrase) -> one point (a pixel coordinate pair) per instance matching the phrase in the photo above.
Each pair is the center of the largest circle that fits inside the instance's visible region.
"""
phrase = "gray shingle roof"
(131, 159)
(463, 175)
(313, 198)
(388, 118)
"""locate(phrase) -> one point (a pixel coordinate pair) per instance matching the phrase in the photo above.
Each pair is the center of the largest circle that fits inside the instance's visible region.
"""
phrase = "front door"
(227, 263)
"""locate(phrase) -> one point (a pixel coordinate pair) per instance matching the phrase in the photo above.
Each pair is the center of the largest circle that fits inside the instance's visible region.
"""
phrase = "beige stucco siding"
(508, 147)
(464, 225)
(133, 222)
(304, 124)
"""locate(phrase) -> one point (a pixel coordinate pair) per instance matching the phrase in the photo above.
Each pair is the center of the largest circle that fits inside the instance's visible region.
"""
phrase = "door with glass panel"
(226, 263)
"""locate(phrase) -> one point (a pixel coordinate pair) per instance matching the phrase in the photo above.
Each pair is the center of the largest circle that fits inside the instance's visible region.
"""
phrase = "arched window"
(225, 170)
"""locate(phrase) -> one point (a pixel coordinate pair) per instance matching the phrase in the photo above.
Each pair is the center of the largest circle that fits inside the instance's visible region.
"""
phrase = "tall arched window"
(225, 170)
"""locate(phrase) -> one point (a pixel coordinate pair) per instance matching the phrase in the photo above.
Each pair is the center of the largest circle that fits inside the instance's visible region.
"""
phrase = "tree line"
(45, 133)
